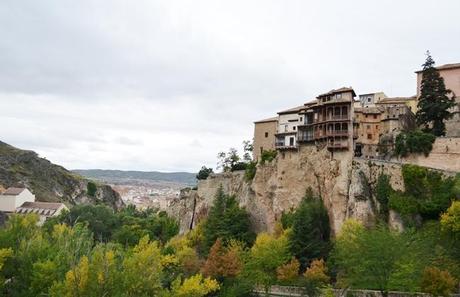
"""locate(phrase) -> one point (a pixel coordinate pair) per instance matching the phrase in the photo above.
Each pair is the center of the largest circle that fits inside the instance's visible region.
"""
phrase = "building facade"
(264, 136)
(366, 100)
(12, 198)
(286, 134)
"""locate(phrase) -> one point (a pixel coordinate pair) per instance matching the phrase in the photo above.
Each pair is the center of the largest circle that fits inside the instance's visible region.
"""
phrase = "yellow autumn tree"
(288, 272)
(4, 255)
(194, 286)
(317, 273)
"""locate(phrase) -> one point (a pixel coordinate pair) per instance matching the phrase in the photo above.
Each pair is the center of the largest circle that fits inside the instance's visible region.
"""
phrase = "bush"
(437, 282)
(383, 191)
(239, 166)
(204, 173)
(414, 142)
(427, 193)
(267, 156)
(91, 189)
(250, 172)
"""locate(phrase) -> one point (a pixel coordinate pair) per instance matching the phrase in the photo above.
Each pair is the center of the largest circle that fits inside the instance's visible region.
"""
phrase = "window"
(301, 119)
(339, 96)
(293, 128)
(375, 116)
(266, 134)
(368, 127)
(369, 136)
(377, 127)
(369, 99)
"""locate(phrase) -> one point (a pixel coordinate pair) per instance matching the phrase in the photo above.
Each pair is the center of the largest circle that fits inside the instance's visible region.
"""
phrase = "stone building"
(44, 210)
(286, 135)
(451, 75)
(264, 136)
(366, 100)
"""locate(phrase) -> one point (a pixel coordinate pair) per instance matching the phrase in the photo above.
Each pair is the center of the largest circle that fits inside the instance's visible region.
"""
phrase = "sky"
(166, 85)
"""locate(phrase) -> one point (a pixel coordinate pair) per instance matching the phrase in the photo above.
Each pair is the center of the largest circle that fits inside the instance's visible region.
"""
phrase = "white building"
(286, 135)
(12, 198)
(43, 209)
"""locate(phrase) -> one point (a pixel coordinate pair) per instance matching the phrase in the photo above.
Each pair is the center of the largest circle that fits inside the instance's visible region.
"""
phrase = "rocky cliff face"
(345, 184)
(49, 182)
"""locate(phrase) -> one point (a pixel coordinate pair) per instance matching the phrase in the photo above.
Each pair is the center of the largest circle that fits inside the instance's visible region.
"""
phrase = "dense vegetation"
(414, 142)
(94, 251)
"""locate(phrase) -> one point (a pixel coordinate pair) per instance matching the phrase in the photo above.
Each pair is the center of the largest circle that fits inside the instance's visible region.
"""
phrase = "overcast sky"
(166, 85)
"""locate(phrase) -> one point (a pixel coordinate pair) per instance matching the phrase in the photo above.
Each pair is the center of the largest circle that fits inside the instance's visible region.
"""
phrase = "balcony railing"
(332, 118)
(337, 145)
(319, 134)
(282, 145)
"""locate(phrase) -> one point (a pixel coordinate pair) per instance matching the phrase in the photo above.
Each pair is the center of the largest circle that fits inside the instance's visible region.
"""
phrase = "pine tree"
(434, 102)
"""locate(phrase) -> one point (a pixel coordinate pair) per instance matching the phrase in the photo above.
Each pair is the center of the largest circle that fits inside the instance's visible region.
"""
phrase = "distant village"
(342, 121)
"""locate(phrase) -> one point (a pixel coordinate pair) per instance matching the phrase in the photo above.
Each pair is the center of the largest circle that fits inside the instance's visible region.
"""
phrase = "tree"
(366, 259)
(204, 173)
(91, 189)
(289, 272)
(434, 102)
(317, 273)
(227, 221)
(194, 286)
(266, 255)
(228, 161)
(310, 234)
(450, 220)
(222, 262)
(248, 147)
(437, 282)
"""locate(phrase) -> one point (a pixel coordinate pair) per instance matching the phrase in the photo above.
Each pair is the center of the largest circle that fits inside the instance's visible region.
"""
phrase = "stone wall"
(445, 155)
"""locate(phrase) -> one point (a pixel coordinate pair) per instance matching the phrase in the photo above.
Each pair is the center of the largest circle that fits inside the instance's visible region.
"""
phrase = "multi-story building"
(264, 136)
(332, 119)
(286, 135)
(451, 75)
(366, 100)
(368, 128)
(410, 102)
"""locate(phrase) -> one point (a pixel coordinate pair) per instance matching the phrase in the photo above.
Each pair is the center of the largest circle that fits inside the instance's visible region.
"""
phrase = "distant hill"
(50, 182)
(185, 178)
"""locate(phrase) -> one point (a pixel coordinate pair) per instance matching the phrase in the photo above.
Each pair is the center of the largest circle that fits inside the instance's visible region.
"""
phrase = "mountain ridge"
(110, 174)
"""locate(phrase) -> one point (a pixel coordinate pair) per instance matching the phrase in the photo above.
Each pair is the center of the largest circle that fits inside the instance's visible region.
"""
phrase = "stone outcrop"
(344, 183)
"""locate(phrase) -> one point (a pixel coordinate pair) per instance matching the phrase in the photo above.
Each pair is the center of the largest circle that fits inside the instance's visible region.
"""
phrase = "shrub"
(317, 273)
(383, 191)
(204, 173)
(239, 166)
(250, 172)
(414, 142)
(288, 273)
(267, 156)
(437, 282)
(91, 189)
(450, 220)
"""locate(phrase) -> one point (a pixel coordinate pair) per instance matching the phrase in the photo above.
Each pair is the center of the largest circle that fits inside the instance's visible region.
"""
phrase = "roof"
(444, 67)
(13, 191)
(339, 90)
(396, 99)
(40, 208)
(273, 119)
(292, 110)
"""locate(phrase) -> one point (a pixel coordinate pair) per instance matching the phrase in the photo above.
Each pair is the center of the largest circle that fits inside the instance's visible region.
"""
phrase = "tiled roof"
(444, 67)
(273, 119)
(13, 191)
(396, 99)
(292, 110)
(40, 208)
(340, 90)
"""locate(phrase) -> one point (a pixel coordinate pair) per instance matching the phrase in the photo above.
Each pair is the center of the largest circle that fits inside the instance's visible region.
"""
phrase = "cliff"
(344, 183)
(50, 182)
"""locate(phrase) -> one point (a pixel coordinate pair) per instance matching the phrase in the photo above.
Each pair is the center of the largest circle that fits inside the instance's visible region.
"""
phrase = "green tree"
(204, 173)
(366, 259)
(310, 234)
(227, 221)
(91, 189)
(434, 101)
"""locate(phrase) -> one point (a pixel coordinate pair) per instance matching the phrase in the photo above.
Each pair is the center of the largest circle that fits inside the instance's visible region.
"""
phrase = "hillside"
(49, 182)
(185, 178)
